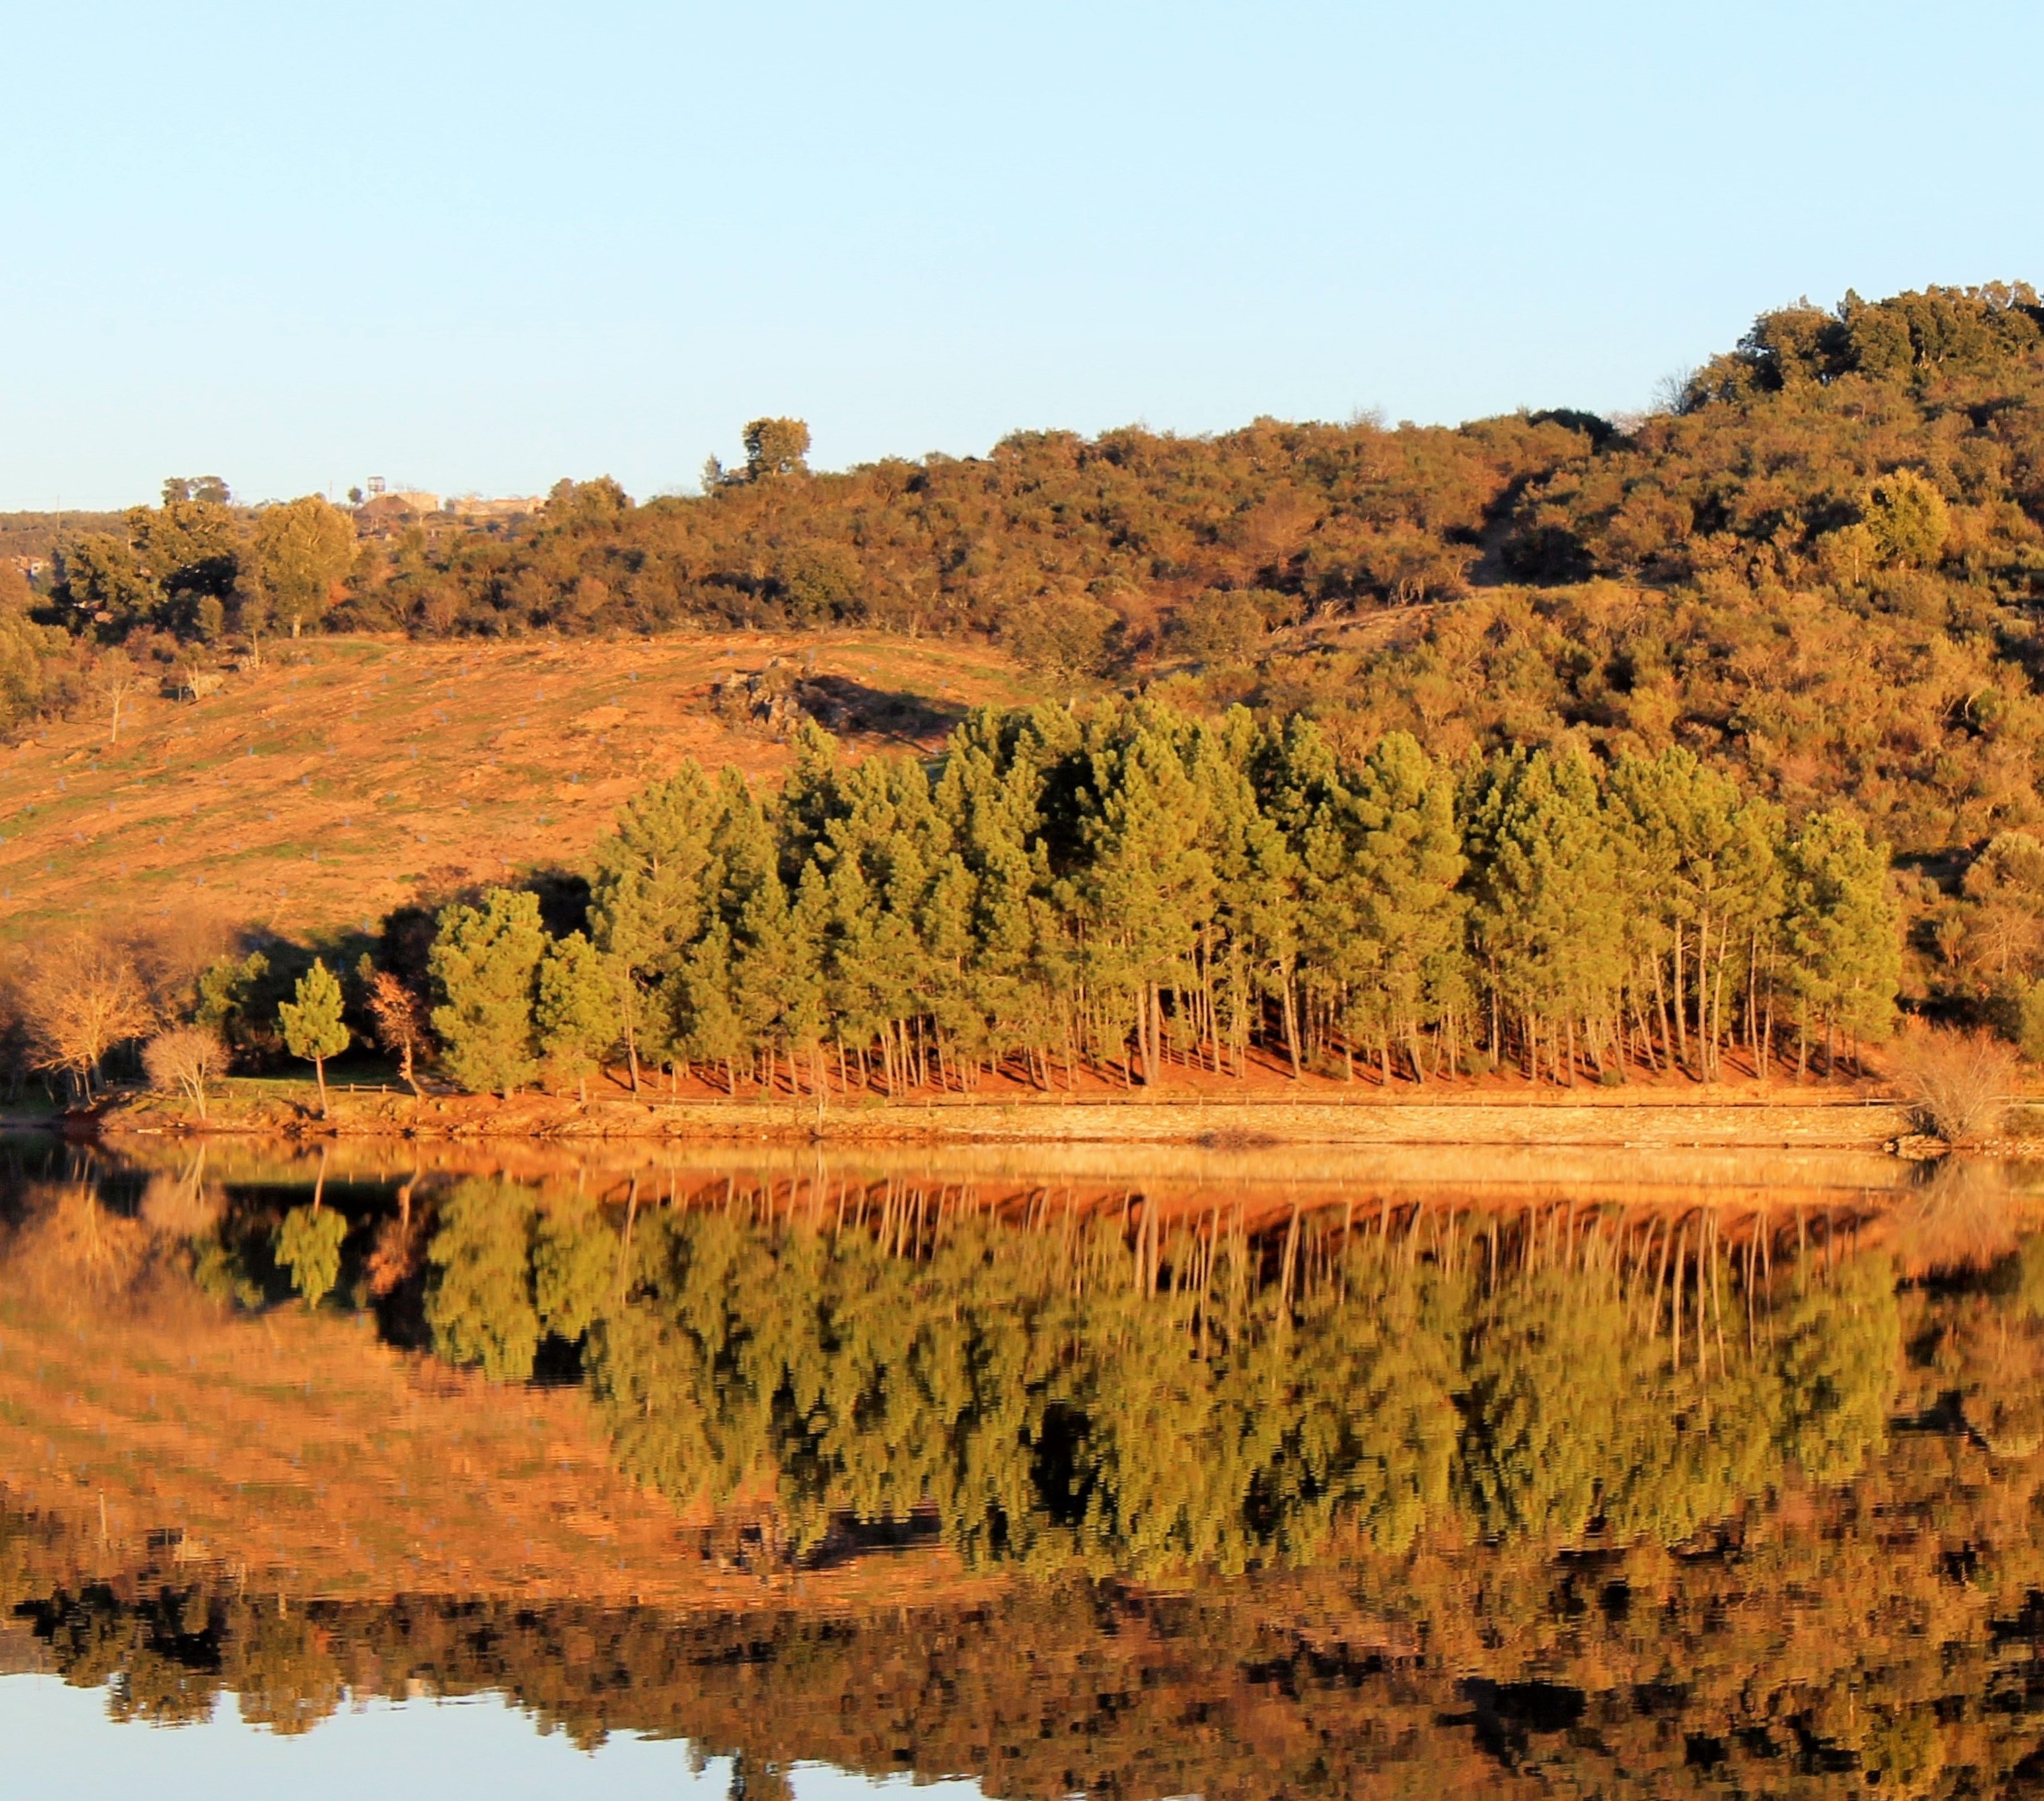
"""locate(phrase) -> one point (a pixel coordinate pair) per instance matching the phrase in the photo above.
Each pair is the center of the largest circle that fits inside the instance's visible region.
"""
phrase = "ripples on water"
(1214, 1476)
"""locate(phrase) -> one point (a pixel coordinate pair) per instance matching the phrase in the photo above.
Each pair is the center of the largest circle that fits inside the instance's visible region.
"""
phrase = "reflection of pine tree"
(480, 1301)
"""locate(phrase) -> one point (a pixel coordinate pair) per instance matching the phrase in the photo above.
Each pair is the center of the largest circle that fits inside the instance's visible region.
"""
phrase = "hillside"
(348, 776)
(1572, 743)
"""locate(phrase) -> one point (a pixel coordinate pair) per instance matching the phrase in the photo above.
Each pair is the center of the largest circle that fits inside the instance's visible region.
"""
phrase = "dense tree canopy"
(1128, 887)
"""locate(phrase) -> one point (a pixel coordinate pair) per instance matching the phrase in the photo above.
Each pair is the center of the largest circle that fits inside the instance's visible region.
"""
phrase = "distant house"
(384, 509)
(510, 506)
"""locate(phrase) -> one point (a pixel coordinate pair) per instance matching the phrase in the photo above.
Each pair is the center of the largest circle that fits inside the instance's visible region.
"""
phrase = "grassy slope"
(349, 775)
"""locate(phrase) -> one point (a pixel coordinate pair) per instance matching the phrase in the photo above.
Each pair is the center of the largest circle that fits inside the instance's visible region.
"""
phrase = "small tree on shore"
(312, 1022)
(400, 1019)
(184, 1059)
(1959, 1082)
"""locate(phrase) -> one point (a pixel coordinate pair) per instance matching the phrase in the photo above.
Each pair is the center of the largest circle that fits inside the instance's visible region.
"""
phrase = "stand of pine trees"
(1126, 890)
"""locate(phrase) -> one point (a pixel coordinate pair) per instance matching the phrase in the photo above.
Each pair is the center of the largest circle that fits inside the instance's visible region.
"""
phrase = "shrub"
(183, 1060)
(1958, 1082)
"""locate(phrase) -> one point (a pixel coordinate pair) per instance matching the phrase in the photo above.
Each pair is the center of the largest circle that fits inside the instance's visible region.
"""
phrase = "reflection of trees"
(278, 1662)
(1417, 1430)
(1141, 1394)
(1839, 1341)
(159, 1661)
(480, 1304)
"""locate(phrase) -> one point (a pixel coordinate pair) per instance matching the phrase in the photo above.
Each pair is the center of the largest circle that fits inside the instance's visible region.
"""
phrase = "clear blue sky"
(480, 247)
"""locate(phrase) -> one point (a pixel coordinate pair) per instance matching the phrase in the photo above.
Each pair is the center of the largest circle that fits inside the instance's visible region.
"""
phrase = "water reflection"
(1073, 1485)
(63, 1741)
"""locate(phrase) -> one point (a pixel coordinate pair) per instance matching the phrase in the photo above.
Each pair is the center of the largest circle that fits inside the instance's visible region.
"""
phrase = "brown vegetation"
(186, 1060)
(1961, 1082)
(80, 997)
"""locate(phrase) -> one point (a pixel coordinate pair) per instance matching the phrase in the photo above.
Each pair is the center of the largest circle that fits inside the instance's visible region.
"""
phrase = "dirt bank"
(1748, 1117)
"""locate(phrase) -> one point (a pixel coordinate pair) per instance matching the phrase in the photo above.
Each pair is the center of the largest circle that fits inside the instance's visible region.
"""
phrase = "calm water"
(1233, 1474)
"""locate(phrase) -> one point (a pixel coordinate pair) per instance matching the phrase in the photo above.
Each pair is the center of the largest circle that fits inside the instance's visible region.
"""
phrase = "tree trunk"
(319, 1075)
(1681, 1008)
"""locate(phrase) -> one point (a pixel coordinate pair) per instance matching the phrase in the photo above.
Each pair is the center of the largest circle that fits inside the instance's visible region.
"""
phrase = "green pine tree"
(487, 963)
(654, 880)
(576, 1015)
(314, 1028)
(1840, 931)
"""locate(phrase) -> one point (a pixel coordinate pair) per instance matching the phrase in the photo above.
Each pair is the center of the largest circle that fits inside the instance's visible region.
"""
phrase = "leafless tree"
(1959, 1081)
(400, 1019)
(117, 682)
(184, 1059)
(80, 998)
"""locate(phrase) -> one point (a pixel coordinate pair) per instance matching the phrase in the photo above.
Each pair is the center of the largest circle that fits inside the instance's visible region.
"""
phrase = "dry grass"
(323, 790)
(1958, 1082)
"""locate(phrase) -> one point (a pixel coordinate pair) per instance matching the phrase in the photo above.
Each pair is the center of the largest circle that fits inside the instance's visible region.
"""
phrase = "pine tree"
(654, 883)
(1251, 820)
(487, 962)
(707, 1014)
(1407, 862)
(1844, 953)
(1147, 890)
(577, 1013)
(1698, 863)
(314, 1028)
(1548, 912)
(1131, 885)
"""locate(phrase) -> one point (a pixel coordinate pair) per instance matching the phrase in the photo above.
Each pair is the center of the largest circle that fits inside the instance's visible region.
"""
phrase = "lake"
(1232, 1470)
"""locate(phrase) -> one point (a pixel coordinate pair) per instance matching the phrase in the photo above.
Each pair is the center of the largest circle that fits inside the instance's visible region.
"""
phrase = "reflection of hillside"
(1871, 1637)
(303, 1452)
(1587, 1494)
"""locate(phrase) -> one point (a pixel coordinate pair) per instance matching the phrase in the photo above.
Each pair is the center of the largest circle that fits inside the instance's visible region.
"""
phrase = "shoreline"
(1844, 1120)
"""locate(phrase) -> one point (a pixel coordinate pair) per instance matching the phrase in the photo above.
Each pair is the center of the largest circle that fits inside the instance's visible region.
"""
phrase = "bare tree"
(1959, 1081)
(116, 682)
(79, 999)
(184, 1059)
(400, 1019)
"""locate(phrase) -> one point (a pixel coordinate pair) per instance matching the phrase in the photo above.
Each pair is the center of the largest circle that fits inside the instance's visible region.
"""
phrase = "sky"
(478, 248)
